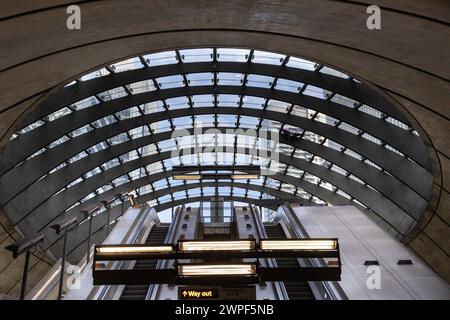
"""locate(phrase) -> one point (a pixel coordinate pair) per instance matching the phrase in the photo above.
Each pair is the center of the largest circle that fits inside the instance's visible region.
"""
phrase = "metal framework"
(102, 276)
(112, 131)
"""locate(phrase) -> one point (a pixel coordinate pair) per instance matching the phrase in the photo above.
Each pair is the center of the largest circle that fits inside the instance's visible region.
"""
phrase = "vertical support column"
(63, 266)
(25, 275)
(64, 225)
(88, 253)
(19, 247)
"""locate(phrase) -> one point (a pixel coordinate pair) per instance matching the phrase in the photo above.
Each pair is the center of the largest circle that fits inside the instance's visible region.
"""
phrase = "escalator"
(296, 290)
(138, 292)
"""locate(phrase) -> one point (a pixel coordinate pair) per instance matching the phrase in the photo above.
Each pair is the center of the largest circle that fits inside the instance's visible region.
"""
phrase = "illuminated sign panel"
(197, 294)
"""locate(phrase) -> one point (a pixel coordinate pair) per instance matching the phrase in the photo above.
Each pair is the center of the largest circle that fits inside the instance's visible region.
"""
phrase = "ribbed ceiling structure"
(112, 130)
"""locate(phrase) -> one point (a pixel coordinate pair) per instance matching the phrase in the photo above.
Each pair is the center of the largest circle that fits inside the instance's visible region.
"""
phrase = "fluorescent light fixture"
(217, 270)
(134, 249)
(238, 245)
(187, 177)
(300, 244)
(245, 176)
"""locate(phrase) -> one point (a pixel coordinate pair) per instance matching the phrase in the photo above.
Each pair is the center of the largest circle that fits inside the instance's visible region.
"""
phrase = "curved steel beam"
(33, 169)
(77, 239)
(81, 233)
(386, 209)
(60, 202)
(356, 91)
(272, 204)
(386, 184)
(403, 140)
(309, 187)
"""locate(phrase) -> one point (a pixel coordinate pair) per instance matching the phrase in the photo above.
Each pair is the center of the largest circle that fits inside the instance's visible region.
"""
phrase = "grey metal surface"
(66, 198)
(37, 166)
(384, 183)
(397, 195)
(356, 91)
(403, 140)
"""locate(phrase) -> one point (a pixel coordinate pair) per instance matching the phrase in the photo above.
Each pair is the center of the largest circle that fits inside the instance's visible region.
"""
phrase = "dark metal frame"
(401, 189)
(171, 276)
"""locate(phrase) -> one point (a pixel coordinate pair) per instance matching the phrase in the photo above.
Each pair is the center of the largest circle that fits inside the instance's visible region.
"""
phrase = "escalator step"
(139, 292)
(295, 290)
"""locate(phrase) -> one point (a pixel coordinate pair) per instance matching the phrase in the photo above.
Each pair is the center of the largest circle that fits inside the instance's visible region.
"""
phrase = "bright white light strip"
(217, 270)
(187, 177)
(245, 176)
(135, 249)
(303, 244)
(216, 245)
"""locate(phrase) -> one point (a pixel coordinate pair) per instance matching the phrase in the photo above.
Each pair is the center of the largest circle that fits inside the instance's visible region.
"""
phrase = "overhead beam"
(34, 168)
(401, 139)
(356, 91)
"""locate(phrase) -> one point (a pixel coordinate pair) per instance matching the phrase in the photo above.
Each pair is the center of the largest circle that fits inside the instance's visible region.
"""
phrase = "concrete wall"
(11, 269)
(360, 239)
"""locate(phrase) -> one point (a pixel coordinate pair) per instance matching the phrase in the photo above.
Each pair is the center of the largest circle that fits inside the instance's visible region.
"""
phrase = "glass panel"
(230, 79)
(142, 86)
(80, 131)
(267, 57)
(254, 80)
(182, 123)
(161, 126)
(300, 111)
(58, 142)
(98, 147)
(177, 103)
(125, 65)
(104, 121)
(313, 91)
(110, 164)
(204, 100)
(333, 72)
(139, 132)
(93, 172)
(288, 85)
(78, 156)
(128, 113)
(96, 74)
(371, 111)
(253, 102)
(204, 121)
(129, 156)
(227, 120)
(152, 107)
(344, 100)
(120, 180)
(200, 79)
(112, 94)
(300, 64)
(121, 137)
(161, 58)
(58, 114)
(168, 82)
(227, 100)
(233, 55)
(278, 106)
(196, 55)
(249, 122)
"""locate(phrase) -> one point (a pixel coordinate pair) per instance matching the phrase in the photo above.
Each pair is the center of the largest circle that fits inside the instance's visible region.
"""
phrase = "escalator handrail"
(279, 287)
(119, 265)
(153, 288)
(336, 294)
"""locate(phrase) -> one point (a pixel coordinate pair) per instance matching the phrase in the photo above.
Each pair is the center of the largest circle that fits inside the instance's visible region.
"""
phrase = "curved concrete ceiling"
(407, 59)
